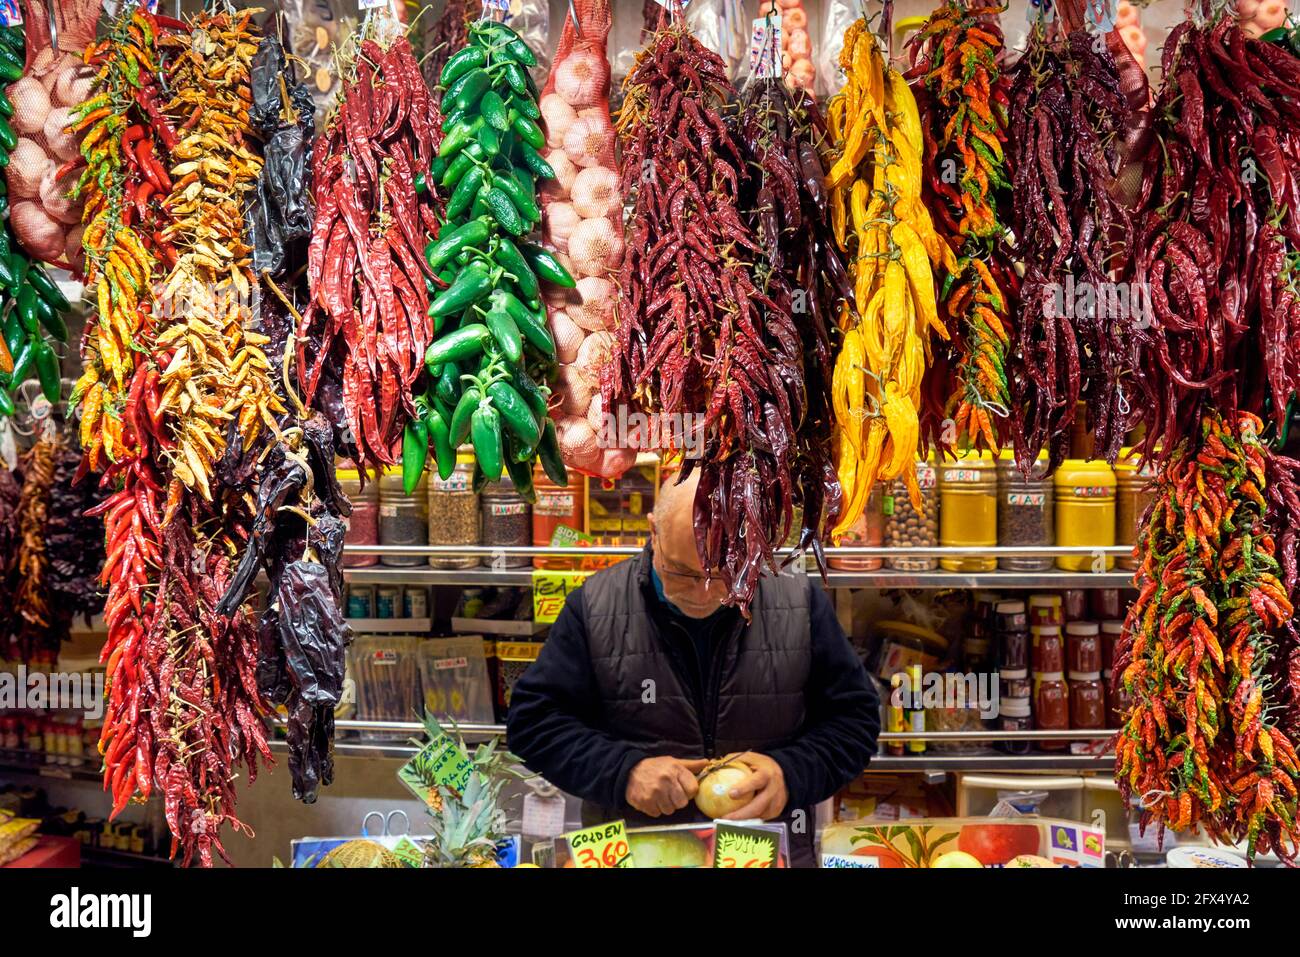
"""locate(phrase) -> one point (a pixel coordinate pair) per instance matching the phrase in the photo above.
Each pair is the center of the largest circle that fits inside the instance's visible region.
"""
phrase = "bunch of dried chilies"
(698, 329)
(1066, 112)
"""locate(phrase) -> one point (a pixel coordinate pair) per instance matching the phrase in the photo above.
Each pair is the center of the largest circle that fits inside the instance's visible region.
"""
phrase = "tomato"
(998, 843)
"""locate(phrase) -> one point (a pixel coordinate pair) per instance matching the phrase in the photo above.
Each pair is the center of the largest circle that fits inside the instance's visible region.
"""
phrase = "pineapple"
(468, 826)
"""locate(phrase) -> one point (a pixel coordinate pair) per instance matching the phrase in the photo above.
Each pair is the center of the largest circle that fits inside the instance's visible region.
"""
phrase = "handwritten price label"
(765, 48)
(738, 846)
(550, 588)
(441, 763)
(604, 845)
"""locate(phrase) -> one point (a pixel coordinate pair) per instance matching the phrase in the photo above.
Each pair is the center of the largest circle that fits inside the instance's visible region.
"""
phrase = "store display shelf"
(879, 578)
(942, 763)
(33, 762)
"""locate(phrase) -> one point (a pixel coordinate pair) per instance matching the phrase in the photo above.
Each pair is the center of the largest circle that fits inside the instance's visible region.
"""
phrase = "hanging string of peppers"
(492, 350)
(803, 274)
(366, 329)
(891, 243)
(1067, 110)
(963, 97)
(1210, 651)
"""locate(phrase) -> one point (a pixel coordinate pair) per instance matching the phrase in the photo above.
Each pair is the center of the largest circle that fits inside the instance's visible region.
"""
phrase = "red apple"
(997, 843)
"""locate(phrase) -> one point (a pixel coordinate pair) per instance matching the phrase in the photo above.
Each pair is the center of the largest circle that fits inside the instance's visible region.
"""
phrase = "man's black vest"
(754, 695)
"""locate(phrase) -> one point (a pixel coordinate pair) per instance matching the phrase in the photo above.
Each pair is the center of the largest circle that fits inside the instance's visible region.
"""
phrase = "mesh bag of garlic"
(582, 223)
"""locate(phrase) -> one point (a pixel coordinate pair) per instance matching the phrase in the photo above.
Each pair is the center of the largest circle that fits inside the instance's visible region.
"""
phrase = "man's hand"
(766, 784)
(661, 786)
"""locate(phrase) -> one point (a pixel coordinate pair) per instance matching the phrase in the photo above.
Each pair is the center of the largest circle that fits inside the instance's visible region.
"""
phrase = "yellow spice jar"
(968, 510)
(1085, 512)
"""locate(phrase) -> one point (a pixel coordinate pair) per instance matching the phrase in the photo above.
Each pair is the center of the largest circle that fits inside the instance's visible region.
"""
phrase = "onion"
(27, 165)
(557, 117)
(589, 141)
(596, 247)
(568, 336)
(74, 83)
(594, 309)
(40, 235)
(575, 388)
(714, 797)
(42, 66)
(62, 143)
(595, 192)
(793, 19)
(560, 220)
(31, 104)
(582, 78)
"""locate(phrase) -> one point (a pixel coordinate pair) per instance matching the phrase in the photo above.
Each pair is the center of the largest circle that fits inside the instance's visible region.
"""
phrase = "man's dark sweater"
(555, 722)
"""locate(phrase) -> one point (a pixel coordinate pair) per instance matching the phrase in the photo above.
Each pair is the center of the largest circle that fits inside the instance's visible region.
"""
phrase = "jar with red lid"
(1047, 653)
(1083, 647)
(1087, 701)
(1111, 631)
(1051, 707)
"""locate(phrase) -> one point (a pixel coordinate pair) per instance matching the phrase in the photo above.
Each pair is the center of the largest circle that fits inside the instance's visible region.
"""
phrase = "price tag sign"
(847, 861)
(371, 4)
(550, 588)
(765, 47)
(11, 13)
(441, 763)
(604, 845)
(735, 845)
(543, 816)
(408, 852)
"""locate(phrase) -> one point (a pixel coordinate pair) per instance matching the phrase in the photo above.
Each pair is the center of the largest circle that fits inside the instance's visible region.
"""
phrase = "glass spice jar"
(1133, 493)
(363, 523)
(403, 519)
(968, 510)
(507, 523)
(1083, 647)
(867, 532)
(1074, 604)
(1105, 603)
(557, 517)
(1045, 610)
(1051, 707)
(1046, 651)
(1085, 513)
(906, 526)
(1013, 639)
(453, 513)
(1015, 714)
(1111, 632)
(1025, 512)
(1087, 701)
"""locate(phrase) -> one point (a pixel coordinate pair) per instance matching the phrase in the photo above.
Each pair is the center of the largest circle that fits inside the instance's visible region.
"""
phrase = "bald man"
(646, 676)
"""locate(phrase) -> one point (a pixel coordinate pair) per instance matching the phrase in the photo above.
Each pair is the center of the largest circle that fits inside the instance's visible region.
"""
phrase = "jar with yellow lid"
(968, 510)
(363, 523)
(453, 511)
(1026, 515)
(1085, 513)
(907, 526)
(403, 519)
(1133, 493)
